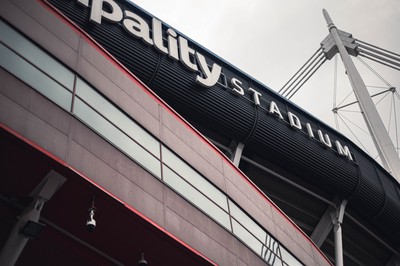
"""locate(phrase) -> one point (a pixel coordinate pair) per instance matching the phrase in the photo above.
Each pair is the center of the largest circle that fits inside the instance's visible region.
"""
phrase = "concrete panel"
(294, 247)
(103, 65)
(97, 79)
(245, 187)
(261, 212)
(292, 232)
(198, 219)
(50, 112)
(306, 244)
(247, 256)
(282, 222)
(32, 127)
(106, 86)
(12, 114)
(307, 259)
(62, 43)
(142, 100)
(116, 160)
(136, 107)
(191, 139)
(241, 263)
(235, 177)
(34, 102)
(319, 258)
(303, 245)
(287, 241)
(15, 89)
(115, 183)
(193, 158)
(197, 239)
(126, 82)
(46, 136)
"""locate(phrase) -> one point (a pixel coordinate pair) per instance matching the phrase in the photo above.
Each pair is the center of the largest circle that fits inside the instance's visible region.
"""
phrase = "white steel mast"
(381, 138)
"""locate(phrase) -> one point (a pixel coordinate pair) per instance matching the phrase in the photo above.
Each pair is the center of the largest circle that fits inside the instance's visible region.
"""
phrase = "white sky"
(271, 39)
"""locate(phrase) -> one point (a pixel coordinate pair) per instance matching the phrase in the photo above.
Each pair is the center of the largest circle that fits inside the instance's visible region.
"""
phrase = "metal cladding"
(264, 127)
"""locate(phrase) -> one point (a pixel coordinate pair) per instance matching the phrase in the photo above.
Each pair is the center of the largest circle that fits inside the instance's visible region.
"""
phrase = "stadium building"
(122, 140)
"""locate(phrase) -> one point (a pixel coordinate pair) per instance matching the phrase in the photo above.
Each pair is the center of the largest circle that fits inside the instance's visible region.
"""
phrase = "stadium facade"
(104, 110)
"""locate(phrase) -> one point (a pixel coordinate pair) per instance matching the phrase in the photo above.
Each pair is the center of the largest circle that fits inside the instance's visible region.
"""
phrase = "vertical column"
(237, 150)
(28, 220)
(337, 220)
(325, 224)
(337, 230)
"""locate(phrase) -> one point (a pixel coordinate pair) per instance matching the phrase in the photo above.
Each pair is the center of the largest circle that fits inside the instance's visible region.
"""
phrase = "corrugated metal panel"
(388, 221)
(369, 185)
(292, 149)
(177, 86)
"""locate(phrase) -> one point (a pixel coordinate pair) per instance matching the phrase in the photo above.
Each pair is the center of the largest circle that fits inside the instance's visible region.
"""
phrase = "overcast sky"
(271, 39)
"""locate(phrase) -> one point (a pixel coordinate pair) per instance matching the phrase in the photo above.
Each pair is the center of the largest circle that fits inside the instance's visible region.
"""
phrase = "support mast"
(374, 122)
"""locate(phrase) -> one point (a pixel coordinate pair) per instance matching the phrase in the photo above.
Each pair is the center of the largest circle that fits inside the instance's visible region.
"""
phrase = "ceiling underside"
(121, 233)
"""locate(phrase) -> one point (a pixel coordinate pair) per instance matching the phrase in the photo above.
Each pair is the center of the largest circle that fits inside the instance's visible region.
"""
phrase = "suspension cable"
(318, 50)
(321, 61)
(365, 54)
(397, 94)
(366, 150)
(309, 68)
(374, 95)
(377, 87)
(348, 95)
(373, 71)
(387, 51)
(357, 126)
(363, 47)
(384, 96)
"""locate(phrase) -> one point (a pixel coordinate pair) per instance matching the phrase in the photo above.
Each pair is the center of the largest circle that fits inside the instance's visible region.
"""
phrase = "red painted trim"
(148, 91)
(114, 197)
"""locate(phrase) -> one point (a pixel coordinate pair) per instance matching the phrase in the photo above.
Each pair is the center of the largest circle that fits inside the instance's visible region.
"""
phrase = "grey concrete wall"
(41, 121)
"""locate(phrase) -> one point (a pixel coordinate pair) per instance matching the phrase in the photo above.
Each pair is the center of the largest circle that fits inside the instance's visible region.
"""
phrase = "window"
(36, 68)
(116, 137)
(117, 117)
(36, 56)
(196, 197)
(194, 178)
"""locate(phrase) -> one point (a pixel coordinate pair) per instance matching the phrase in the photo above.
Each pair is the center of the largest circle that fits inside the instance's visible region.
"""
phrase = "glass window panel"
(247, 222)
(194, 178)
(35, 78)
(289, 258)
(118, 118)
(246, 237)
(194, 196)
(115, 136)
(272, 244)
(36, 56)
(268, 255)
(277, 262)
